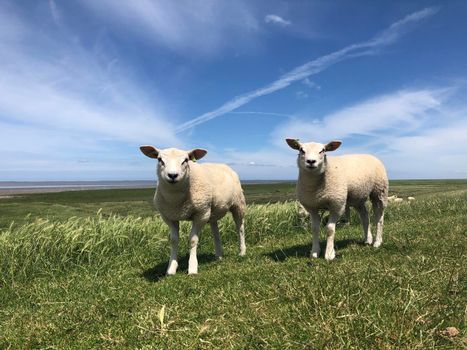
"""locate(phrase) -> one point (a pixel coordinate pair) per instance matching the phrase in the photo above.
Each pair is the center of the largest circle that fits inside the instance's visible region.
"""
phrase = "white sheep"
(334, 182)
(410, 199)
(200, 193)
(398, 200)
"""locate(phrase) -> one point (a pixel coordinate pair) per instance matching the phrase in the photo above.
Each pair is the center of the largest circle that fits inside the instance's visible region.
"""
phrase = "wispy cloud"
(186, 26)
(61, 101)
(275, 19)
(311, 84)
(402, 110)
(436, 152)
(53, 82)
(54, 11)
(388, 36)
(272, 114)
(417, 134)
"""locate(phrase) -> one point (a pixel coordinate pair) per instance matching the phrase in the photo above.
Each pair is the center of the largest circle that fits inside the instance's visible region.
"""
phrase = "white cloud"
(436, 150)
(417, 134)
(311, 84)
(184, 26)
(402, 109)
(268, 163)
(272, 114)
(58, 98)
(308, 69)
(54, 11)
(439, 152)
(47, 80)
(275, 19)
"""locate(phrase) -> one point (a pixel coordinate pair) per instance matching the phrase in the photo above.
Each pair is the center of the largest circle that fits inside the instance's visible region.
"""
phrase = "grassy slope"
(98, 281)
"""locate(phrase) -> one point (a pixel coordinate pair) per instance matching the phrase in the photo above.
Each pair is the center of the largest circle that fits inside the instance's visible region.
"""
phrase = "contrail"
(386, 37)
(264, 113)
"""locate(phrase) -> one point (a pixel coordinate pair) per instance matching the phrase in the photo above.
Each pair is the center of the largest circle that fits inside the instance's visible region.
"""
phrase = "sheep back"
(365, 176)
(212, 190)
(347, 179)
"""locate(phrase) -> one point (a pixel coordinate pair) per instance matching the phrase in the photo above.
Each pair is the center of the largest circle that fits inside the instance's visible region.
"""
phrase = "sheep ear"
(196, 154)
(150, 151)
(333, 145)
(293, 143)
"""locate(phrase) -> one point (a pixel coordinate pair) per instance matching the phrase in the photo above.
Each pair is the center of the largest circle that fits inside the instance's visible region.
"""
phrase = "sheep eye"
(322, 151)
(161, 162)
(185, 161)
(301, 151)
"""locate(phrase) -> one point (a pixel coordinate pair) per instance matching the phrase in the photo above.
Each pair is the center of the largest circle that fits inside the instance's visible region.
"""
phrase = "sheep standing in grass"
(200, 193)
(334, 182)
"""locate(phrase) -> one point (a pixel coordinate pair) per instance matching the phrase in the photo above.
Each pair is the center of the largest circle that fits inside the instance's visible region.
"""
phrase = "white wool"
(332, 183)
(202, 193)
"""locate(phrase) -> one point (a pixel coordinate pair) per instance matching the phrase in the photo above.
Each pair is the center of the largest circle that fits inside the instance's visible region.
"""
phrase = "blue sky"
(84, 83)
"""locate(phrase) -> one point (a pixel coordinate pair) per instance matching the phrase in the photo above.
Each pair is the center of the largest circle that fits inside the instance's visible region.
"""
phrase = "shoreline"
(9, 192)
(9, 189)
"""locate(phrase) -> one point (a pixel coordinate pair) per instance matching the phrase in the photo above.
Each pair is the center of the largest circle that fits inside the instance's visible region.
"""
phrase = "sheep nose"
(173, 176)
(311, 161)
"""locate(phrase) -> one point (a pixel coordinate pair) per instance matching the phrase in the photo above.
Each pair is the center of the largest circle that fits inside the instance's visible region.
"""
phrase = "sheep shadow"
(303, 250)
(158, 272)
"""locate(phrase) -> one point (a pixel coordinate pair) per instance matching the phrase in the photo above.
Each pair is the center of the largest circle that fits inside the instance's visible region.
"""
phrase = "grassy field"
(137, 202)
(74, 276)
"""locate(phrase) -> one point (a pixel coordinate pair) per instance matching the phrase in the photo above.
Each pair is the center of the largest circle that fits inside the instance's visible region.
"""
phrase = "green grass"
(137, 202)
(97, 280)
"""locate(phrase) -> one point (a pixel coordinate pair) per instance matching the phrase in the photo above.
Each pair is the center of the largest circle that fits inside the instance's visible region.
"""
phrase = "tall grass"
(97, 282)
(44, 246)
(47, 247)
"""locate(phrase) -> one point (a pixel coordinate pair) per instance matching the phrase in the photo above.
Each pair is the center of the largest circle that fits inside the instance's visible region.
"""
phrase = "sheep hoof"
(377, 244)
(315, 255)
(219, 257)
(172, 268)
(192, 268)
(242, 253)
(368, 241)
(330, 256)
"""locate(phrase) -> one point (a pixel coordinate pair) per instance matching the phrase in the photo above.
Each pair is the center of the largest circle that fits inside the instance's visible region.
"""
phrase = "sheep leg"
(363, 212)
(331, 230)
(194, 239)
(237, 215)
(378, 208)
(315, 223)
(346, 218)
(217, 239)
(174, 229)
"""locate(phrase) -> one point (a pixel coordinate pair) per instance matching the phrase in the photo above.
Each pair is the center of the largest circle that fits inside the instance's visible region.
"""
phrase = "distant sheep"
(200, 193)
(398, 200)
(334, 182)
(410, 199)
